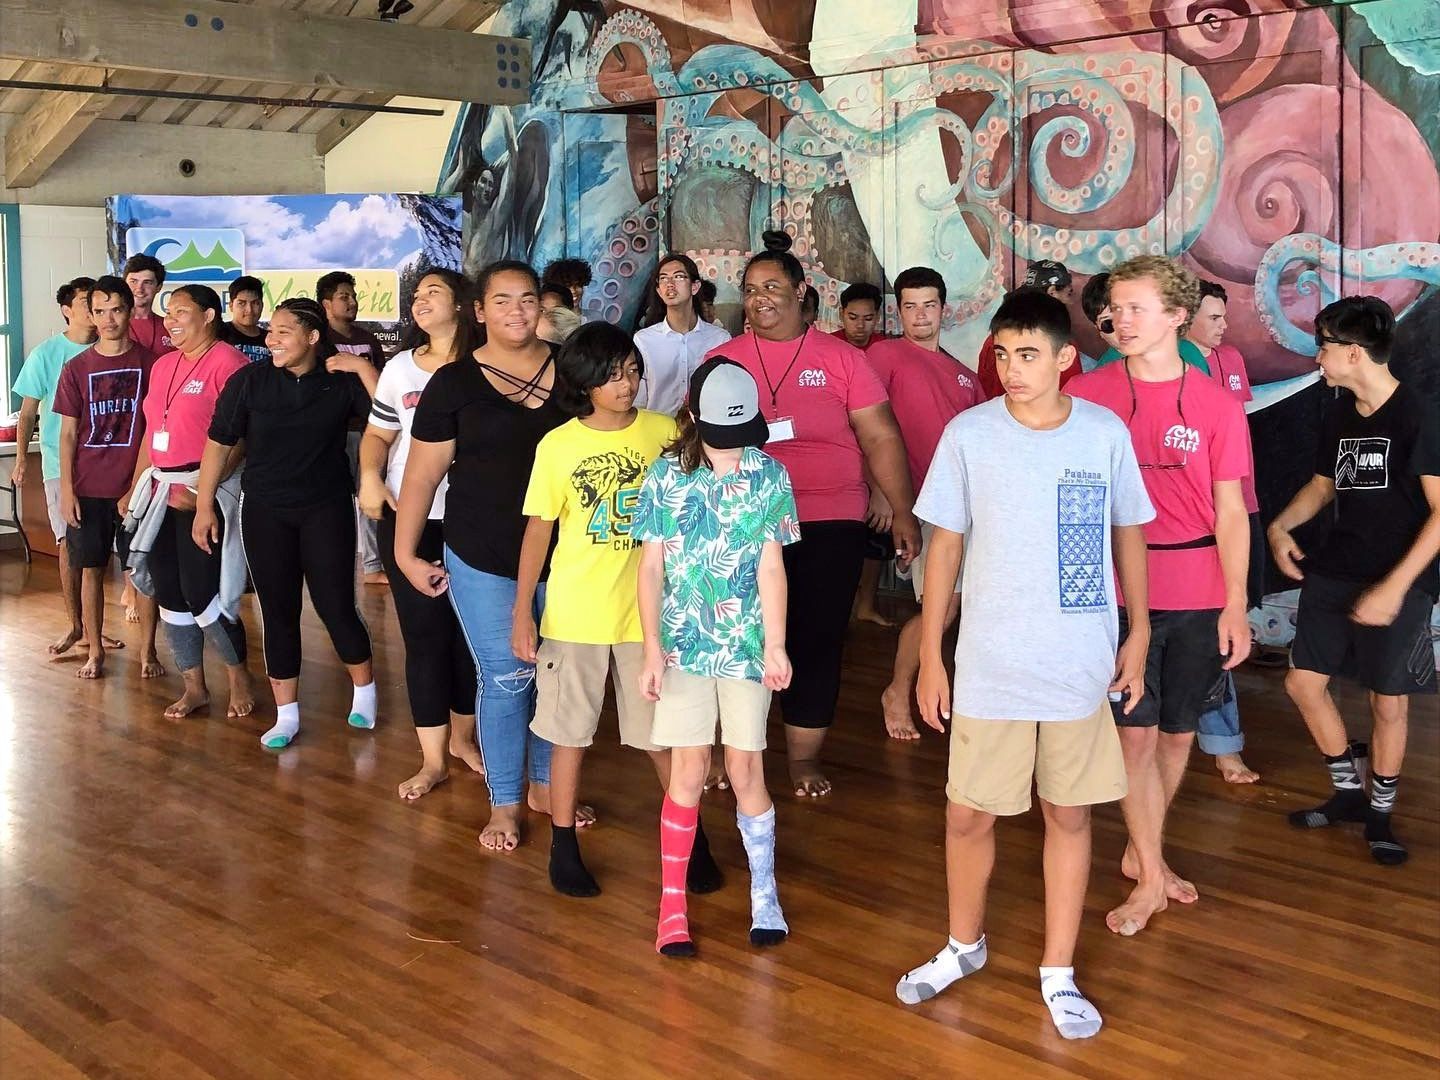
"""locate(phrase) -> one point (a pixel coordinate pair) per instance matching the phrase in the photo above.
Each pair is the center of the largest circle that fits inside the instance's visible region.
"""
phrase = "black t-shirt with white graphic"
(1376, 462)
(254, 348)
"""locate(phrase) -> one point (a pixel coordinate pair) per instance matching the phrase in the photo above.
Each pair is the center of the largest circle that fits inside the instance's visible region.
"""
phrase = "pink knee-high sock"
(677, 837)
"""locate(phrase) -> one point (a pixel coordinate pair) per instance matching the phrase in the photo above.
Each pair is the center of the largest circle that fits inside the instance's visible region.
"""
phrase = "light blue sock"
(767, 921)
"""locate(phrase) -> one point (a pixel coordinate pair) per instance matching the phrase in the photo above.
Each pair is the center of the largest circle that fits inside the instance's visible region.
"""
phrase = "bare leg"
(128, 597)
(148, 612)
(242, 692)
(361, 674)
(1234, 770)
(92, 604)
(718, 759)
(462, 741)
(537, 797)
(898, 697)
(686, 768)
(1310, 691)
(803, 747)
(286, 691)
(433, 771)
(70, 591)
(1067, 873)
(196, 695)
(1144, 810)
(565, 762)
(747, 774)
(1387, 743)
(865, 596)
(969, 860)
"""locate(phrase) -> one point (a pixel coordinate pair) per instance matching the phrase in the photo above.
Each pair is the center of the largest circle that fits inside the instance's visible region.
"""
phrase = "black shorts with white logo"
(97, 535)
(1184, 671)
(1393, 660)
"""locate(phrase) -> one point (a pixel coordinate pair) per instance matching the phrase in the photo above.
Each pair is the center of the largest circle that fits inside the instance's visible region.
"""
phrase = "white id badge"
(160, 441)
(782, 429)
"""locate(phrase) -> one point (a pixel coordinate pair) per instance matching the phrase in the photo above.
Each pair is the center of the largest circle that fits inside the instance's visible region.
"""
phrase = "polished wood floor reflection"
(177, 902)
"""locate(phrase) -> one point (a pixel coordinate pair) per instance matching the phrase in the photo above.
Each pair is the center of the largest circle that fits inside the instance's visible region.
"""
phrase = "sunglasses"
(1321, 340)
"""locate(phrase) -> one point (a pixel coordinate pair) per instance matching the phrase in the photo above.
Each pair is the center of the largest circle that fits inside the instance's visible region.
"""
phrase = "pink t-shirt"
(816, 381)
(1181, 458)
(181, 401)
(876, 337)
(927, 390)
(151, 333)
(1227, 368)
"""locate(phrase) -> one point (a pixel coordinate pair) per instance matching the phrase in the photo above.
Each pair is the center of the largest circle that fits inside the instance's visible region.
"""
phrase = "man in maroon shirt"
(144, 274)
(101, 425)
(860, 320)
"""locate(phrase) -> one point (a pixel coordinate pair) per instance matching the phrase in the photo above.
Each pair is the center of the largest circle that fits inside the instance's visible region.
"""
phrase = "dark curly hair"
(587, 360)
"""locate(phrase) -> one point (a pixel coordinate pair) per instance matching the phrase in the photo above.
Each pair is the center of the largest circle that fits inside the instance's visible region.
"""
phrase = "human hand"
(1287, 553)
(426, 578)
(1234, 635)
(1378, 605)
(777, 668)
(1130, 668)
(932, 693)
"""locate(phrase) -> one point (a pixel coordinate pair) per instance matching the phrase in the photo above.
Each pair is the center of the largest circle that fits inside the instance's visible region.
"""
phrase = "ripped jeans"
(505, 698)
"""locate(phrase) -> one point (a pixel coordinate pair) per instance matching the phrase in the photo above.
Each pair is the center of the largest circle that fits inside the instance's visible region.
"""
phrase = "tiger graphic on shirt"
(609, 486)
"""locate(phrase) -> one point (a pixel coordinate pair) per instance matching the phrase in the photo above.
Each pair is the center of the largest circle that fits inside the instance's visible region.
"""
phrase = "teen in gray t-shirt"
(1038, 628)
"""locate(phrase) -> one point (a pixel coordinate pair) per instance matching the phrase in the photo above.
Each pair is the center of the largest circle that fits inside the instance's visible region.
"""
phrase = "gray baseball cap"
(726, 405)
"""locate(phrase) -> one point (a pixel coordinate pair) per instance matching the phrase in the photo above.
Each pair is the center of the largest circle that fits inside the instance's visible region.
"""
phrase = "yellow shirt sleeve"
(545, 496)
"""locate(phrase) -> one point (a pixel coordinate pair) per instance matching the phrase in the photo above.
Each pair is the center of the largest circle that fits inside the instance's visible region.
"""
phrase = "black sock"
(567, 872)
(1346, 804)
(704, 875)
(1384, 848)
(1360, 755)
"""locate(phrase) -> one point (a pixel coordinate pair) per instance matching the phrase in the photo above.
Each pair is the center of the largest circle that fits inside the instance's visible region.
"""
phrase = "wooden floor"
(177, 902)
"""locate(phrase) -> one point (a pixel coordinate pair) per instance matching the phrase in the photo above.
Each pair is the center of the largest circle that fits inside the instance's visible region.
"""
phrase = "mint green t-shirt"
(38, 379)
(1189, 352)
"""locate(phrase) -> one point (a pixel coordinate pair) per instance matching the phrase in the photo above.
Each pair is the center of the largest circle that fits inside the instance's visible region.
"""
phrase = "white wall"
(57, 243)
(117, 157)
(393, 153)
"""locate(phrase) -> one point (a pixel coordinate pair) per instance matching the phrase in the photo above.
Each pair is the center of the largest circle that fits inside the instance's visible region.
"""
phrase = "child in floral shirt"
(713, 514)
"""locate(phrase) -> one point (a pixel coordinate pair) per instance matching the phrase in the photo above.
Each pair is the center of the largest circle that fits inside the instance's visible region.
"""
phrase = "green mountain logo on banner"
(191, 259)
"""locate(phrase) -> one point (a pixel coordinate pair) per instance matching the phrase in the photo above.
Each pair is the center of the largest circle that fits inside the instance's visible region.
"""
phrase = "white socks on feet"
(954, 961)
(1074, 1015)
(287, 726)
(362, 706)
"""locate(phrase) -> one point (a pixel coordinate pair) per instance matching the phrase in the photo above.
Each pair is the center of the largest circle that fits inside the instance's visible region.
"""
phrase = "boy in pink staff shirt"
(1191, 442)
(928, 388)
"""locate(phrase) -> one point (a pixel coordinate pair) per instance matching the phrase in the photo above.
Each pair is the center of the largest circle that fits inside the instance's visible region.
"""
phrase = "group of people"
(687, 516)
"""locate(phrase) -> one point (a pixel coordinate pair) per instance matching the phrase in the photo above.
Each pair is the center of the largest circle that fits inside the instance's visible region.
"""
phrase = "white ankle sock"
(954, 961)
(287, 726)
(1072, 1011)
(362, 706)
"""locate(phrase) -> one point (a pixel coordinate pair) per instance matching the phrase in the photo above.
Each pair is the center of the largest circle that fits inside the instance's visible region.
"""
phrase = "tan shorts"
(917, 568)
(52, 508)
(570, 690)
(691, 705)
(1070, 762)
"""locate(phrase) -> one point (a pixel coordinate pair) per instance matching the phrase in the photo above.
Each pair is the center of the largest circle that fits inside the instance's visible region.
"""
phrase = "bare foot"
(132, 613)
(1134, 914)
(132, 610)
(502, 831)
(111, 642)
(1176, 887)
(377, 578)
(717, 780)
(898, 722)
(807, 779)
(870, 615)
(242, 697)
(188, 703)
(93, 668)
(538, 799)
(65, 642)
(469, 754)
(422, 782)
(151, 668)
(1234, 770)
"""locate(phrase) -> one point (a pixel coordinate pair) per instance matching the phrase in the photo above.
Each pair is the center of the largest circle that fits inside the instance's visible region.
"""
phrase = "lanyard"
(171, 392)
(774, 388)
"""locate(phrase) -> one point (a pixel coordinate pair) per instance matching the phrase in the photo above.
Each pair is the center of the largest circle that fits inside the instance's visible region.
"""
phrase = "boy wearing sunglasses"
(1368, 590)
(1193, 447)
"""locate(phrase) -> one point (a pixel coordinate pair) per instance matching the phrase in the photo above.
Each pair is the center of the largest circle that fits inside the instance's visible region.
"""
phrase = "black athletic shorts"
(1184, 671)
(97, 535)
(879, 546)
(1394, 660)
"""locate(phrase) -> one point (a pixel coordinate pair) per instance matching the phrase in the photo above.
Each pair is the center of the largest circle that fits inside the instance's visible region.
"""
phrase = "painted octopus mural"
(1287, 150)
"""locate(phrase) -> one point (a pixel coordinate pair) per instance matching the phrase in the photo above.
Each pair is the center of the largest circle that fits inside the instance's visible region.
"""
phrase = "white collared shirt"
(670, 359)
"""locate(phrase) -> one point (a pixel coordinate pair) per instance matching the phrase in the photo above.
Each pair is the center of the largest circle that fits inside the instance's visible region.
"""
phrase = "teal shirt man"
(1189, 352)
(38, 379)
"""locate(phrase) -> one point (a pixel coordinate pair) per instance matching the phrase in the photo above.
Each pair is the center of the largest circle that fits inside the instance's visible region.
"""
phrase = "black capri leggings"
(187, 581)
(314, 546)
(439, 672)
(823, 571)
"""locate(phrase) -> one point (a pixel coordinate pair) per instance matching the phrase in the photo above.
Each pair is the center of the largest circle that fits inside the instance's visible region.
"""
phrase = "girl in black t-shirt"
(478, 423)
(297, 512)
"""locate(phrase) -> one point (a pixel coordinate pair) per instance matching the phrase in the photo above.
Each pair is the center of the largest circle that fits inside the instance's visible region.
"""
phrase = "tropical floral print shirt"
(712, 530)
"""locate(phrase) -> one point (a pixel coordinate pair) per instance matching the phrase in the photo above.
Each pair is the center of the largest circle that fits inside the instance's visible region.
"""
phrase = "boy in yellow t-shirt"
(587, 476)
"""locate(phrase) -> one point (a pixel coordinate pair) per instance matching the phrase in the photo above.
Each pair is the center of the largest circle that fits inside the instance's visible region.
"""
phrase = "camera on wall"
(187, 167)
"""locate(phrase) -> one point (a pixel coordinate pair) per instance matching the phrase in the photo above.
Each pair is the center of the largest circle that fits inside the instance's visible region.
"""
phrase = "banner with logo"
(386, 242)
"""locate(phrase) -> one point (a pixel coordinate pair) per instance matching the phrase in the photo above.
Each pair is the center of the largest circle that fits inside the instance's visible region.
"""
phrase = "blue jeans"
(505, 684)
(1220, 727)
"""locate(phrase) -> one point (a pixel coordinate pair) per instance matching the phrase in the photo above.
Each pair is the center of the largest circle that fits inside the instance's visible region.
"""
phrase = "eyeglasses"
(673, 279)
(1321, 340)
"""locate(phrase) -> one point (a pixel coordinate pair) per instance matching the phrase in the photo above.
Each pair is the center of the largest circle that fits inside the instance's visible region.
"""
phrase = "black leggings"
(187, 581)
(823, 571)
(314, 546)
(439, 672)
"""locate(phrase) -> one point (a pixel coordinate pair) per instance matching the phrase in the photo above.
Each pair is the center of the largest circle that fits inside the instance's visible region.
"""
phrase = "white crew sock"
(1074, 1015)
(287, 726)
(954, 961)
(362, 706)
